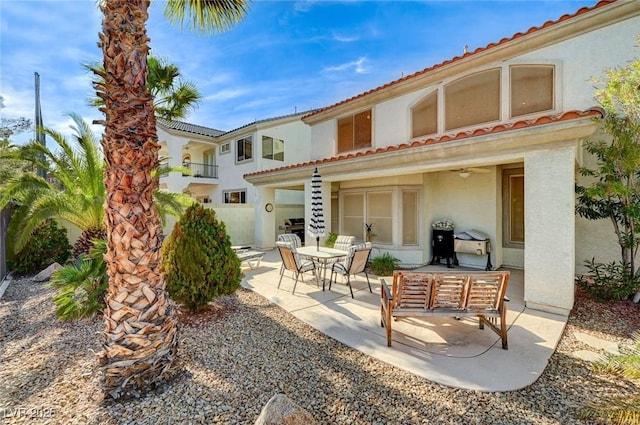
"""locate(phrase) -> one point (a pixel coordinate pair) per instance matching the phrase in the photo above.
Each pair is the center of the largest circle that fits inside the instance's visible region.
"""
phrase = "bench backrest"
(474, 291)
(412, 290)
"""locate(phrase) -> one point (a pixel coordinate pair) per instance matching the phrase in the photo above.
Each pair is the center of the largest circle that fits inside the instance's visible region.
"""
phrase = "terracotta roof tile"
(467, 54)
(480, 131)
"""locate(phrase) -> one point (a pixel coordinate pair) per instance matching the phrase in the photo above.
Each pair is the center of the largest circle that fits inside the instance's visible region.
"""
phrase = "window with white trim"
(272, 148)
(244, 149)
(354, 131)
(424, 116)
(531, 89)
(513, 208)
(235, 196)
(225, 148)
(409, 217)
(473, 99)
(378, 207)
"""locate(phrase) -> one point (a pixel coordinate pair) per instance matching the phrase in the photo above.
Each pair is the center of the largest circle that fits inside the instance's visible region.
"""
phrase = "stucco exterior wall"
(595, 239)
(578, 60)
(549, 230)
(470, 203)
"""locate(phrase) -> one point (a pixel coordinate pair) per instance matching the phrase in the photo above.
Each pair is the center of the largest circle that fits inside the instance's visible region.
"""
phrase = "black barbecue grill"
(295, 226)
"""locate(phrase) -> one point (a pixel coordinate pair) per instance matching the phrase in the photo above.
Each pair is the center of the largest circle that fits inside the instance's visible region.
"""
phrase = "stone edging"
(5, 283)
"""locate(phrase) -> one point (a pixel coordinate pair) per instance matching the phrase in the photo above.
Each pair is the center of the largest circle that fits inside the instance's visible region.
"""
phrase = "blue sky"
(285, 56)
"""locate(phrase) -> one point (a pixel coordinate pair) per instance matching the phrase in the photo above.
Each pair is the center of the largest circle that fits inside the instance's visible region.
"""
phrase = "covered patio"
(441, 349)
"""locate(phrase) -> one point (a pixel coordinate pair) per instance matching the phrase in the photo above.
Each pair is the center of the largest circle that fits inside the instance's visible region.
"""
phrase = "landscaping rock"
(45, 274)
(280, 410)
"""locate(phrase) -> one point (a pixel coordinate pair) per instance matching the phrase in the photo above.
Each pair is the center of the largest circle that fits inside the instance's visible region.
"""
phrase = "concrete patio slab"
(441, 349)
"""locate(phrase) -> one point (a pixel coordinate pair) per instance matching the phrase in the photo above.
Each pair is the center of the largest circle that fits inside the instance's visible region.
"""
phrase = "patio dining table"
(322, 255)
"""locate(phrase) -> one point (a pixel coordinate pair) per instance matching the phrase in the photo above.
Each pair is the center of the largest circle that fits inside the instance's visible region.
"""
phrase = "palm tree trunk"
(140, 336)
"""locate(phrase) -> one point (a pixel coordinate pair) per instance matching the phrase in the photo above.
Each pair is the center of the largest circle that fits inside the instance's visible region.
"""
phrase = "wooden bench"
(251, 258)
(456, 294)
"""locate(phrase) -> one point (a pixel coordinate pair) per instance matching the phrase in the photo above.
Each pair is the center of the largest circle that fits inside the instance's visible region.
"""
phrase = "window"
(531, 89)
(409, 217)
(235, 196)
(424, 116)
(225, 148)
(244, 151)
(513, 207)
(353, 215)
(383, 207)
(354, 132)
(472, 100)
(272, 148)
(379, 213)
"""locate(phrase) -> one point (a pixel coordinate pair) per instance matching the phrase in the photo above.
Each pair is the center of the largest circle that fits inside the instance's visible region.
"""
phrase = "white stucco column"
(174, 181)
(265, 221)
(549, 256)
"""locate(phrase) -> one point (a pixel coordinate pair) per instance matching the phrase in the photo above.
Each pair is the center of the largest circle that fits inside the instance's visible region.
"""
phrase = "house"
(490, 139)
(217, 160)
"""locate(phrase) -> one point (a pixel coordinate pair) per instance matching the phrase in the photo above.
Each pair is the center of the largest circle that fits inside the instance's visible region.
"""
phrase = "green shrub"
(81, 286)
(331, 240)
(610, 281)
(384, 265)
(48, 244)
(197, 260)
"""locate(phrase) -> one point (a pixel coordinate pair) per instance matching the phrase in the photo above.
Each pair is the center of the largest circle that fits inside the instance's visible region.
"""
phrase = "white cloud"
(226, 94)
(345, 39)
(357, 65)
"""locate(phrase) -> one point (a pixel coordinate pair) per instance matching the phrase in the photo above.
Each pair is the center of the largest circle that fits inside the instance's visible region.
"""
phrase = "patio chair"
(344, 242)
(291, 261)
(355, 262)
(292, 239)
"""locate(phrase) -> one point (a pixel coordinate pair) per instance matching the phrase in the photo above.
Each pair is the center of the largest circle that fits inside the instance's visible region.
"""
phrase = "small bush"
(331, 240)
(384, 265)
(81, 286)
(197, 260)
(48, 244)
(610, 281)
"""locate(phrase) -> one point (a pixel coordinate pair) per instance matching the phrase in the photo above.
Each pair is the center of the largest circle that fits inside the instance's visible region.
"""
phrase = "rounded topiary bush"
(48, 244)
(197, 260)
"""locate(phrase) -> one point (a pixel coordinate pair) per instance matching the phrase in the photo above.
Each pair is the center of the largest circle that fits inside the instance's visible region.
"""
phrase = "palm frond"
(206, 16)
(170, 203)
(618, 411)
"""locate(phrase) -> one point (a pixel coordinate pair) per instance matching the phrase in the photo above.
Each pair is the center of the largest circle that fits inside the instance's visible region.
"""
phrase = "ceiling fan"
(466, 172)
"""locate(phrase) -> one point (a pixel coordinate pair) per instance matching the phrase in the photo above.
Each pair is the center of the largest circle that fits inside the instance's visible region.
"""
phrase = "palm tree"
(73, 191)
(173, 96)
(140, 337)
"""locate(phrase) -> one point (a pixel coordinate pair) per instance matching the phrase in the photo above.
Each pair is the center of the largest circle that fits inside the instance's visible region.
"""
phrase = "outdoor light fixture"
(464, 174)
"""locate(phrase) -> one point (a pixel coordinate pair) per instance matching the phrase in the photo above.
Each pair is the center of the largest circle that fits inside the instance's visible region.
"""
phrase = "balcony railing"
(202, 170)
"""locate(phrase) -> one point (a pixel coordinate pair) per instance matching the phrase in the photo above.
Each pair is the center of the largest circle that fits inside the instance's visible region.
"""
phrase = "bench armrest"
(385, 292)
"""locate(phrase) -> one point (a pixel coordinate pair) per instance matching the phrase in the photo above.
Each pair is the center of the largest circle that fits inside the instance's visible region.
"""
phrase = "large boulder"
(280, 410)
(45, 274)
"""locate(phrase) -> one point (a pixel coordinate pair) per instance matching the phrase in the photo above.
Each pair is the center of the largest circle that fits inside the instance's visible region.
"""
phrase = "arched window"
(424, 116)
(474, 99)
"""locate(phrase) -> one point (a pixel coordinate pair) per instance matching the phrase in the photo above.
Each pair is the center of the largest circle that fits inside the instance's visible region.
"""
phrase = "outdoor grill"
(296, 226)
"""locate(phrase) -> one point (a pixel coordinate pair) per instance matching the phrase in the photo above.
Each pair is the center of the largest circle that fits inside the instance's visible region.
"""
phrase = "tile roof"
(474, 132)
(190, 128)
(531, 30)
(303, 113)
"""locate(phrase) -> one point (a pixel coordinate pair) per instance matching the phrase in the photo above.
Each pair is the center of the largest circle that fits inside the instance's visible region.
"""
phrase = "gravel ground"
(237, 356)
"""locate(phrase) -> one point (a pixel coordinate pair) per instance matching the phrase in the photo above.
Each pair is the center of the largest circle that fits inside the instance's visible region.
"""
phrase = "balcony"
(201, 170)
